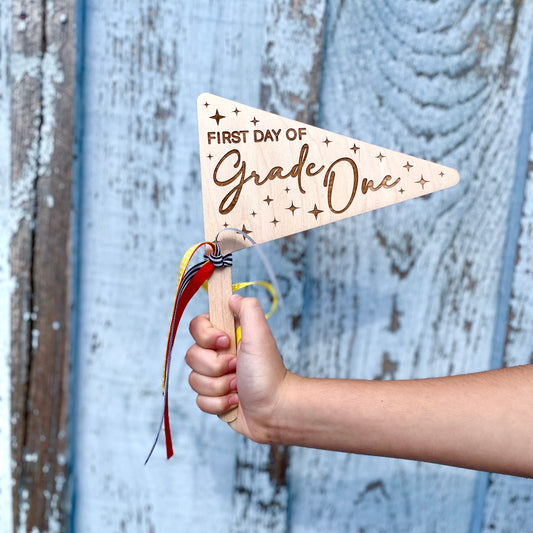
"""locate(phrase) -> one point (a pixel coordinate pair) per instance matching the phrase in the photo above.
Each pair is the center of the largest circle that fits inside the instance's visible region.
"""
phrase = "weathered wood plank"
(25, 116)
(48, 395)
(412, 291)
(42, 139)
(290, 78)
(509, 501)
(145, 64)
(6, 510)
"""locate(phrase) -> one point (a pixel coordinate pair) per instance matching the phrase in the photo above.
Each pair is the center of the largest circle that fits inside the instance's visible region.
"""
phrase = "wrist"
(285, 420)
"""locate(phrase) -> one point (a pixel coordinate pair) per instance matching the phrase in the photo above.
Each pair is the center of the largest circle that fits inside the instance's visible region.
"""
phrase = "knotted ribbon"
(190, 279)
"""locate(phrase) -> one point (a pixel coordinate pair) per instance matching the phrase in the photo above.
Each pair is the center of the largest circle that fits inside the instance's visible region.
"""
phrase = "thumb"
(255, 332)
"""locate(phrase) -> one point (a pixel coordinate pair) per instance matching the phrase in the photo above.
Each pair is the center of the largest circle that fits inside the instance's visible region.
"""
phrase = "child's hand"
(254, 380)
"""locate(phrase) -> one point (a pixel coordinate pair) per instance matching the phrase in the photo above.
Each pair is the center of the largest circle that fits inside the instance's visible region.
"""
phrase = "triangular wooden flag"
(270, 177)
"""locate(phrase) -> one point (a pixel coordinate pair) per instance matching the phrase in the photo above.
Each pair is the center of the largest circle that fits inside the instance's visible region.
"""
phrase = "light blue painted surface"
(436, 80)
(145, 64)
(512, 281)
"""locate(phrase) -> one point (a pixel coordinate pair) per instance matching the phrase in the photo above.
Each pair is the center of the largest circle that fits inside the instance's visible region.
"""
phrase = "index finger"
(206, 335)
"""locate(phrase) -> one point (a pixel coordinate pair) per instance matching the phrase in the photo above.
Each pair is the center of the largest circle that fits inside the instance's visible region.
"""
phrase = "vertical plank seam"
(325, 44)
(497, 356)
(76, 239)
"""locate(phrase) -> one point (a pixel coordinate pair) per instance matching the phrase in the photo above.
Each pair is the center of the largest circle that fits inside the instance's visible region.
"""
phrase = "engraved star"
(422, 181)
(315, 212)
(210, 156)
(327, 141)
(226, 224)
(408, 166)
(354, 148)
(255, 121)
(275, 222)
(441, 173)
(287, 190)
(206, 105)
(292, 208)
(380, 157)
(401, 191)
(253, 213)
(236, 111)
(246, 231)
(218, 117)
(268, 199)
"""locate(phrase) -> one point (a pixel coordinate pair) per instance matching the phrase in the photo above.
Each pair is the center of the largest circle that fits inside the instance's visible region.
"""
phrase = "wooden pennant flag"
(269, 177)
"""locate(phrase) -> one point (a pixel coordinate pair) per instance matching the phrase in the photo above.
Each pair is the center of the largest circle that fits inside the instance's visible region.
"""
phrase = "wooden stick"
(221, 316)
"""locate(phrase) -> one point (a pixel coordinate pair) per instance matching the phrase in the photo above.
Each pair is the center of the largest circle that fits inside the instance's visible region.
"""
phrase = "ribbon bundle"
(190, 280)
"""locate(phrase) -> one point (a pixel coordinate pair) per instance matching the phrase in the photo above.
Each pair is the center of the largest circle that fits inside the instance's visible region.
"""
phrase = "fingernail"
(233, 384)
(235, 298)
(232, 365)
(233, 399)
(222, 342)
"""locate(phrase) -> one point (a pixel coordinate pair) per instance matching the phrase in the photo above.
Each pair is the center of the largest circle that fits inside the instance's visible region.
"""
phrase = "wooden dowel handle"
(221, 316)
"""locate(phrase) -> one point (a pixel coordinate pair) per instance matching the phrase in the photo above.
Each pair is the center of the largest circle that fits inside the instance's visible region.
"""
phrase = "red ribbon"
(180, 304)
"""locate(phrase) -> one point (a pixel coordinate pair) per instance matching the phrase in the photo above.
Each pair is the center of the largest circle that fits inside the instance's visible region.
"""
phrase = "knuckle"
(211, 387)
(209, 405)
(201, 404)
(193, 325)
(193, 382)
(189, 356)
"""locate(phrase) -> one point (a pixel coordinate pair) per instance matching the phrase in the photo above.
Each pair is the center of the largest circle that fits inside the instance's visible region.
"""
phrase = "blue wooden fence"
(433, 287)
